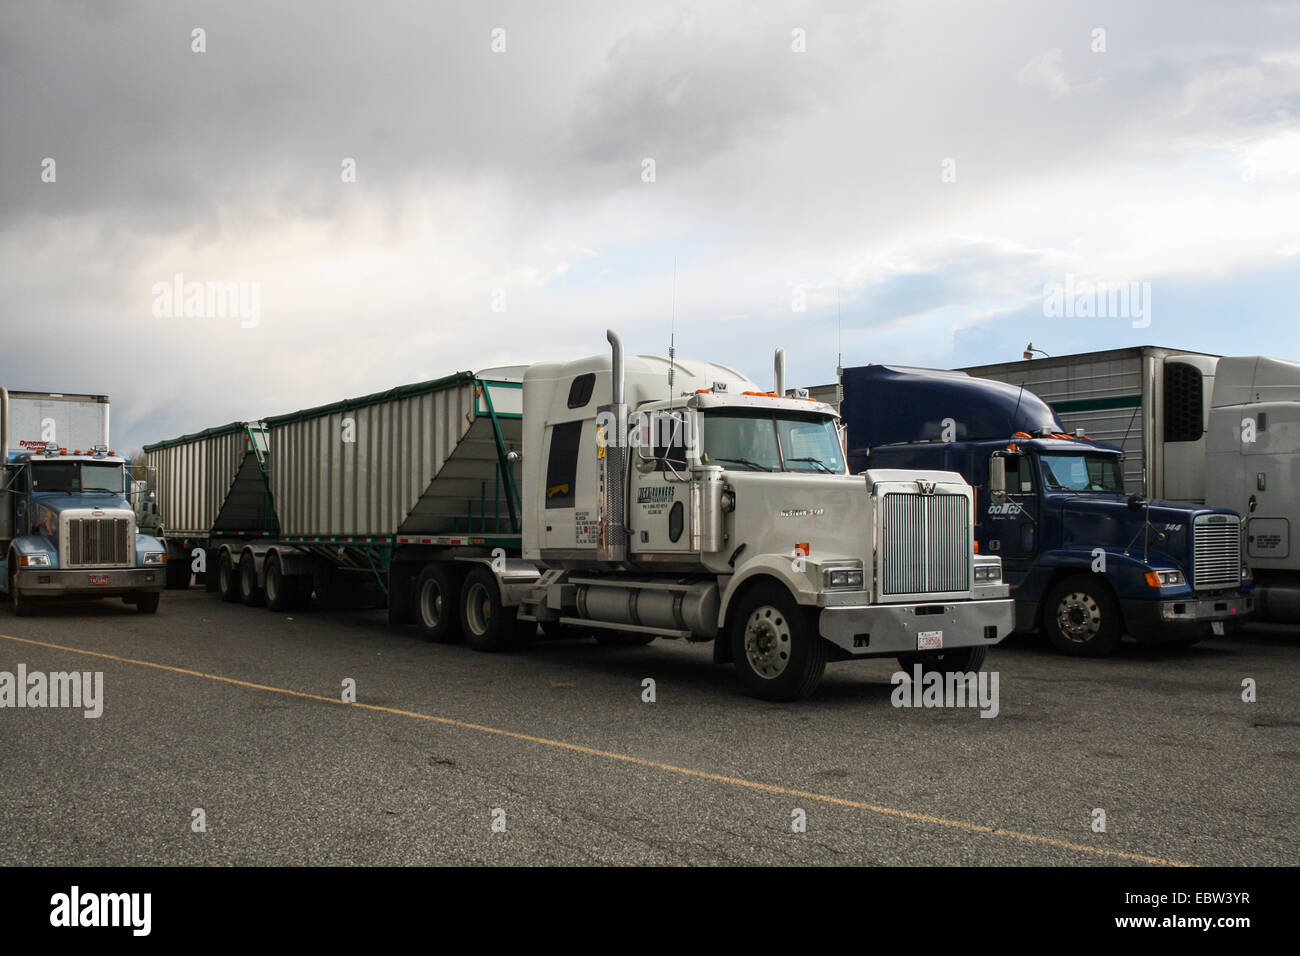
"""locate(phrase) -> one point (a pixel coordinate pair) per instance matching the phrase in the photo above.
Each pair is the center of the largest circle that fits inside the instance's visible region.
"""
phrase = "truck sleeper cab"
(727, 513)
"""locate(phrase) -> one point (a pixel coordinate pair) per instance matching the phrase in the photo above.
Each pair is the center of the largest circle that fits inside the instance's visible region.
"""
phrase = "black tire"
(401, 603)
(178, 570)
(146, 602)
(209, 575)
(436, 604)
(281, 592)
(486, 624)
(958, 660)
(227, 579)
(21, 606)
(249, 592)
(778, 653)
(1082, 617)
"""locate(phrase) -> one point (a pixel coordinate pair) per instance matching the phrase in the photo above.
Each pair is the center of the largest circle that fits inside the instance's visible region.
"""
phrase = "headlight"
(842, 578)
(34, 561)
(1164, 579)
(987, 573)
(155, 557)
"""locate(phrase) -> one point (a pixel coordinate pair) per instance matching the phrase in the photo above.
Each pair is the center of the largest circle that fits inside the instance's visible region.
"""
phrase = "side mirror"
(997, 478)
(152, 496)
(1135, 502)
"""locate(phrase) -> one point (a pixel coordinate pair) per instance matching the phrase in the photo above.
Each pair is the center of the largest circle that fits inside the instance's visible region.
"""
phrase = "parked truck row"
(631, 497)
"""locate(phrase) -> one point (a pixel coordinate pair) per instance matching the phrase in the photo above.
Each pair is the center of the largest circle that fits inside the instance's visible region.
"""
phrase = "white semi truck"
(1223, 431)
(623, 496)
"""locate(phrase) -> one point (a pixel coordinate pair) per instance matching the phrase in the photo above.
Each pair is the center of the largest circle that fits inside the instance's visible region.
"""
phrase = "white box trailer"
(1153, 402)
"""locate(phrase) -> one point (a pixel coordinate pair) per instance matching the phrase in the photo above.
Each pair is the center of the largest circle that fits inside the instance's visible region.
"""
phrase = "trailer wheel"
(281, 592)
(436, 604)
(227, 580)
(249, 592)
(778, 654)
(958, 660)
(146, 602)
(488, 626)
(1082, 617)
(401, 603)
(22, 607)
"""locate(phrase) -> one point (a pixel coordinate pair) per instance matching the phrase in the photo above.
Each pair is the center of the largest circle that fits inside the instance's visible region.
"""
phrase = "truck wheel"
(249, 592)
(401, 605)
(178, 571)
(1082, 618)
(280, 590)
(959, 660)
(22, 607)
(227, 579)
(437, 605)
(488, 626)
(779, 656)
(146, 602)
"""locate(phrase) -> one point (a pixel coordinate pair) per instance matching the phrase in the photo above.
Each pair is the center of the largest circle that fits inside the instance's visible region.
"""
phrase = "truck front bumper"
(52, 582)
(1189, 617)
(886, 630)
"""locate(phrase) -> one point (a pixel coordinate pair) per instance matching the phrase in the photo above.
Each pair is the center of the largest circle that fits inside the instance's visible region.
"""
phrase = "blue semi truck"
(1086, 562)
(67, 527)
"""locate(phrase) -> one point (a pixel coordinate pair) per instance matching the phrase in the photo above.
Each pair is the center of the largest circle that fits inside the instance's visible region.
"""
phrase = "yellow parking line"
(637, 761)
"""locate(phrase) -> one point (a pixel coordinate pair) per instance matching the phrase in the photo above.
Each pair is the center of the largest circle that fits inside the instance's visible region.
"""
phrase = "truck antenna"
(839, 353)
(672, 339)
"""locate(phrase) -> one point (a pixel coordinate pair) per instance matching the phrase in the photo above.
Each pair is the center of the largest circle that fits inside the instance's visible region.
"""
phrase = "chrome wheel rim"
(767, 642)
(1079, 617)
(431, 604)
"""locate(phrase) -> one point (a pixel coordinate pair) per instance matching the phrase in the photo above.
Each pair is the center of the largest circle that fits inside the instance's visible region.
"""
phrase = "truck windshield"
(760, 440)
(72, 476)
(1082, 473)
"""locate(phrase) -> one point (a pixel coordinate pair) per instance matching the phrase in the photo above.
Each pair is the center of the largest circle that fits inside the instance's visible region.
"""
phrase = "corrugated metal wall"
(194, 478)
(324, 485)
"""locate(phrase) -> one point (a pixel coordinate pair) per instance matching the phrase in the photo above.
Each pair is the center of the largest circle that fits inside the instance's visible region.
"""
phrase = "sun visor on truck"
(888, 405)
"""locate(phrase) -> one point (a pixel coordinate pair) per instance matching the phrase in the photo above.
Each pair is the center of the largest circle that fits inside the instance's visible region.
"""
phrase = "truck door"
(566, 523)
(1013, 524)
(659, 508)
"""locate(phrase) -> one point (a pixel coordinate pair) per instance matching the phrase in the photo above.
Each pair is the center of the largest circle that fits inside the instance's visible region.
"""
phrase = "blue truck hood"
(58, 502)
(1107, 521)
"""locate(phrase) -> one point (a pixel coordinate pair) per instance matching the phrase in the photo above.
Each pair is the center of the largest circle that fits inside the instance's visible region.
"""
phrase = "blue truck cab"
(68, 531)
(1087, 562)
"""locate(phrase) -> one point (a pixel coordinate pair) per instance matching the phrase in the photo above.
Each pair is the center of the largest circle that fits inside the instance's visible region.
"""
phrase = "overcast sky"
(934, 167)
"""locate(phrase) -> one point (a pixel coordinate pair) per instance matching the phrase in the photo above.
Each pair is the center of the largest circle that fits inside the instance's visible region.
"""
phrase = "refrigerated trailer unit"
(1152, 402)
(636, 497)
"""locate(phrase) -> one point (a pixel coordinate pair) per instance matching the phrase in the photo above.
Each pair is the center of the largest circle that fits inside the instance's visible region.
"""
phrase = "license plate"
(98, 578)
(1217, 627)
(929, 641)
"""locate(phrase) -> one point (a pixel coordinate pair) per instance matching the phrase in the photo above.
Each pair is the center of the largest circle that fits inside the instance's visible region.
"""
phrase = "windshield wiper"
(744, 461)
(816, 461)
(107, 491)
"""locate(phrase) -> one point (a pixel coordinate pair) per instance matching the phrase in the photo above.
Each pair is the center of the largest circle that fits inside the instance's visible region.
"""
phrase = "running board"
(630, 628)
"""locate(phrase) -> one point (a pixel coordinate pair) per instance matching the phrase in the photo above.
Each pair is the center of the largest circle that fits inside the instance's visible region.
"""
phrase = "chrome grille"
(926, 544)
(1216, 559)
(98, 542)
